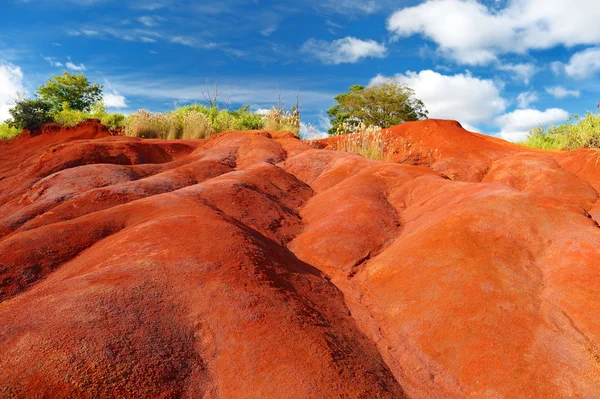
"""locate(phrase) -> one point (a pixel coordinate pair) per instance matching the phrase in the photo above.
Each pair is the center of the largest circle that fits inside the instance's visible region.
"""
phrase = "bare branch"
(212, 97)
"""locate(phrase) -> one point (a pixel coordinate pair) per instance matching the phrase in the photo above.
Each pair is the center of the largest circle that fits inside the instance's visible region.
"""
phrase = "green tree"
(72, 88)
(383, 105)
(29, 114)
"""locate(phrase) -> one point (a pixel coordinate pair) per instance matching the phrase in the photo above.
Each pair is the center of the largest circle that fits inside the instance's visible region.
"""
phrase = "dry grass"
(369, 142)
(280, 119)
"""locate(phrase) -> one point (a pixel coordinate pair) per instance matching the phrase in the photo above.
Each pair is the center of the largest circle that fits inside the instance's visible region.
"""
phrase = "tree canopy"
(383, 105)
(72, 88)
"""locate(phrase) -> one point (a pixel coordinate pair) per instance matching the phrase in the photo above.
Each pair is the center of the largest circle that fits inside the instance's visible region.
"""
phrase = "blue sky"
(498, 67)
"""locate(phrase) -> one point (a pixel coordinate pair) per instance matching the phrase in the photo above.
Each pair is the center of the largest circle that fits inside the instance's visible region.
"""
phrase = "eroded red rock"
(253, 265)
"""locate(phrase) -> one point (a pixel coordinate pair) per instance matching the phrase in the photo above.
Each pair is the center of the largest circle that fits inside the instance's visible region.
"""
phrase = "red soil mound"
(253, 265)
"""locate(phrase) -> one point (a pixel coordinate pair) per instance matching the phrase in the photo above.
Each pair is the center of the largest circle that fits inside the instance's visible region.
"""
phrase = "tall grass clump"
(278, 118)
(576, 133)
(199, 121)
(148, 125)
(367, 141)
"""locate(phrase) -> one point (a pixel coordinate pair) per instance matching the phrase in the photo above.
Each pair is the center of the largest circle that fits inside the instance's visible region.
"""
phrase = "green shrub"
(29, 114)
(112, 121)
(576, 133)
(7, 132)
(69, 117)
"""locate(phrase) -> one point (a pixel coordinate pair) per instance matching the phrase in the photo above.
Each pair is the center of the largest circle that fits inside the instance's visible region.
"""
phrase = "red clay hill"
(252, 265)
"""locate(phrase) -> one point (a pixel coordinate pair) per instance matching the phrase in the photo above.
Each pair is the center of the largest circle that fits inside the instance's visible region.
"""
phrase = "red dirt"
(253, 265)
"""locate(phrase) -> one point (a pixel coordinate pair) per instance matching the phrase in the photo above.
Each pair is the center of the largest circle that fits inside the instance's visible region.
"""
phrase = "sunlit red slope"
(253, 265)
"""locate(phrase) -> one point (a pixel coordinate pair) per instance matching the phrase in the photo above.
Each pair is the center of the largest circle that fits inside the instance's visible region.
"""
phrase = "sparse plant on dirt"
(368, 141)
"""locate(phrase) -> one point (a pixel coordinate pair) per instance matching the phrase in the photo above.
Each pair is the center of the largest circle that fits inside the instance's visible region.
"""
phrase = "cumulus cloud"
(346, 50)
(114, 100)
(526, 98)
(561, 92)
(463, 97)
(11, 84)
(516, 125)
(584, 64)
(472, 33)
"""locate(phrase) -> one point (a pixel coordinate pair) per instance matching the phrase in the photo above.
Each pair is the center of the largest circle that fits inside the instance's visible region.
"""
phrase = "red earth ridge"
(253, 265)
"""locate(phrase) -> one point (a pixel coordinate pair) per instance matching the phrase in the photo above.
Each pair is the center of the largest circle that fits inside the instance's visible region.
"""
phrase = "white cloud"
(584, 63)
(557, 67)
(470, 128)
(52, 61)
(463, 97)
(114, 100)
(346, 50)
(526, 98)
(262, 111)
(523, 71)
(148, 21)
(354, 7)
(261, 94)
(516, 125)
(90, 32)
(11, 84)
(561, 92)
(78, 68)
(471, 33)
(147, 39)
(311, 132)
(192, 42)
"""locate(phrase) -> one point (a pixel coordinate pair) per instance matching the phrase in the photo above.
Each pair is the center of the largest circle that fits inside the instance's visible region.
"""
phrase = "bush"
(112, 121)
(29, 114)
(70, 117)
(7, 132)
(576, 133)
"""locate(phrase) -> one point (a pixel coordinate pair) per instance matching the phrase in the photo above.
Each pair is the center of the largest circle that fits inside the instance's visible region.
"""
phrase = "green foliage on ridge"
(7, 132)
(383, 105)
(72, 88)
(576, 133)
